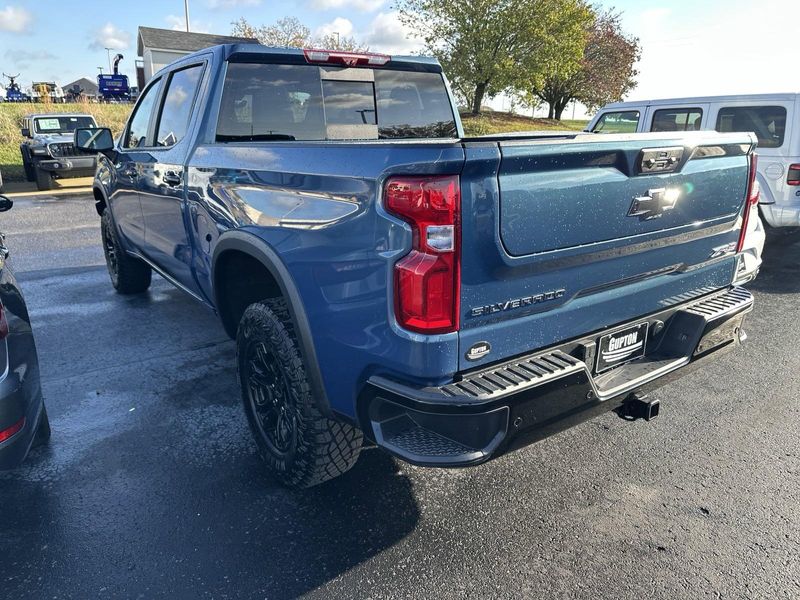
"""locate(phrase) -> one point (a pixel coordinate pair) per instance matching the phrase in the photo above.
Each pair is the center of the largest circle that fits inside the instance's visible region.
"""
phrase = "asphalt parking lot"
(151, 486)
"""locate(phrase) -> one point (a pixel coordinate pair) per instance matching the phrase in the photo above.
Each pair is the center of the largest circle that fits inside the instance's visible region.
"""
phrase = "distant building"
(159, 47)
(82, 86)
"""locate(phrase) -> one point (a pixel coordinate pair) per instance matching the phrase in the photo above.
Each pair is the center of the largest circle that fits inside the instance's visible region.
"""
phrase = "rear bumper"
(81, 166)
(20, 401)
(781, 215)
(486, 413)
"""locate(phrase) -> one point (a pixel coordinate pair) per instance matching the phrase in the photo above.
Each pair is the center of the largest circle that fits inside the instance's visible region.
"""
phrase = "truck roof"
(296, 55)
(58, 114)
(788, 96)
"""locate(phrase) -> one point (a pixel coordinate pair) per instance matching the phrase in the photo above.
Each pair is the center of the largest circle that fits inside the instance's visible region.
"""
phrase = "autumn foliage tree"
(289, 32)
(489, 46)
(605, 73)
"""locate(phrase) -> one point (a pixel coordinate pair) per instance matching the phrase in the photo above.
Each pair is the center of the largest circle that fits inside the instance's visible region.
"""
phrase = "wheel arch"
(237, 245)
(100, 201)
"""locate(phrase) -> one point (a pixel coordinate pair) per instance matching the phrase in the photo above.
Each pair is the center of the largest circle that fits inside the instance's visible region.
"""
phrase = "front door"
(132, 154)
(162, 180)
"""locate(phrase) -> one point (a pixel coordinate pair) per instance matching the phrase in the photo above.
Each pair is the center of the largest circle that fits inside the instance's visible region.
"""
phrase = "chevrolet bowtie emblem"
(653, 204)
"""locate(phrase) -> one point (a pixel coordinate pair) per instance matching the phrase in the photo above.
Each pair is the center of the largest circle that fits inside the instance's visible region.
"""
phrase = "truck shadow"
(282, 542)
(152, 470)
(780, 271)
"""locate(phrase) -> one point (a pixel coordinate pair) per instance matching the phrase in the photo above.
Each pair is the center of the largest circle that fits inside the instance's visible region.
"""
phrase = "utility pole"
(108, 55)
(186, 11)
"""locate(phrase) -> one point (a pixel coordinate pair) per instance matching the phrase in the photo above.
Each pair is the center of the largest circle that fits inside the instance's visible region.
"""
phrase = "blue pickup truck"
(390, 281)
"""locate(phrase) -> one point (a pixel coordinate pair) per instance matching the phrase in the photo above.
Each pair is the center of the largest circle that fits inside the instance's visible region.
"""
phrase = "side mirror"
(5, 203)
(94, 139)
(25, 132)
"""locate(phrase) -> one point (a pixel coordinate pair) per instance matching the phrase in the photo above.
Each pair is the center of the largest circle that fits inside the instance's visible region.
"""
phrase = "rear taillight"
(9, 432)
(427, 281)
(3, 323)
(752, 199)
(793, 178)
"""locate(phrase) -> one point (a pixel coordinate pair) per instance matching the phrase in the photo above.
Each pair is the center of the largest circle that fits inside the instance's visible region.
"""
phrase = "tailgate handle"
(660, 160)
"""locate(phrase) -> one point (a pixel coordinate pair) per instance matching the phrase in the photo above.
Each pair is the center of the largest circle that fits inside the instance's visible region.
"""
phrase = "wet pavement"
(151, 486)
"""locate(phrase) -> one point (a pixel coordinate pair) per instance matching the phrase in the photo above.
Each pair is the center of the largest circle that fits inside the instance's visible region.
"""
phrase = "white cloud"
(224, 4)
(15, 19)
(386, 33)
(340, 25)
(110, 36)
(178, 23)
(360, 5)
(23, 58)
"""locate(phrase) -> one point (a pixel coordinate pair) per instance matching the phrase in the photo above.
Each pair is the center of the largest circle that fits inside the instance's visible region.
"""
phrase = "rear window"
(677, 119)
(307, 102)
(767, 122)
(618, 122)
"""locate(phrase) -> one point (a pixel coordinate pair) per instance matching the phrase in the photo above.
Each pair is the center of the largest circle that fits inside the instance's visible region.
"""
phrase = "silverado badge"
(488, 309)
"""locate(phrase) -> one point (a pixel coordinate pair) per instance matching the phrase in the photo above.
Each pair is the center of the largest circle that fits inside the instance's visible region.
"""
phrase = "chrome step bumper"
(484, 413)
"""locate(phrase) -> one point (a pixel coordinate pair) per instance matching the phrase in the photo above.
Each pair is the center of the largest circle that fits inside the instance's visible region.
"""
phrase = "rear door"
(770, 120)
(689, 117)
(573, 236)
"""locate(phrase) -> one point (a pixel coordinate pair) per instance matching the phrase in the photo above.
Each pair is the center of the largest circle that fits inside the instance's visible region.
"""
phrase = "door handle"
(172, 178)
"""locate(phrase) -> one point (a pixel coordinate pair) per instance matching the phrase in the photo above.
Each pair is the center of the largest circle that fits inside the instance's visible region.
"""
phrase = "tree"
(606, 72)
(488, 46)
(289, 32)
(339, 42)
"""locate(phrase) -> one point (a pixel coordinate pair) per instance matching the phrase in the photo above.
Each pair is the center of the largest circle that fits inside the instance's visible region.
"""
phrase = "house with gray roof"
(157, 48)
(81, 87)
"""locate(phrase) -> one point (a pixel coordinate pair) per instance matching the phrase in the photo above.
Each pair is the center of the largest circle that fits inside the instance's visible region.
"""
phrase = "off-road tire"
(27, 165)
(42, 435)
(128, 274)
(318, 448)
(44, 180)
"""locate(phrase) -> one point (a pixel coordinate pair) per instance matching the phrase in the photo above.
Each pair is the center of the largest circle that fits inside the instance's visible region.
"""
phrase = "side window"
(136, 136)
(677, 119)
(624, 121)
(767, 122)
(177, 108)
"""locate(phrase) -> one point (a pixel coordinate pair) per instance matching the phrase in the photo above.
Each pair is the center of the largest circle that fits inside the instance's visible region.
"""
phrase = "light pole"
(186, 12)
(108, 55)
(100, 69)
(338, 41)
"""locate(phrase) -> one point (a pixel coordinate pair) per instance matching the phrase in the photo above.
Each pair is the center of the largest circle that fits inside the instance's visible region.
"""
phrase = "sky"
(689, 47)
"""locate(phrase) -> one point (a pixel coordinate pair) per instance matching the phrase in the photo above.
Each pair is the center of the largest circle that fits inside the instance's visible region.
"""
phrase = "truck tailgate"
(565, 237)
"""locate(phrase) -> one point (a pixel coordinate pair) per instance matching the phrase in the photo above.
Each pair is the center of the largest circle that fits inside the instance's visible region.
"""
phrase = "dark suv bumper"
(72, 166)
(485, 413)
